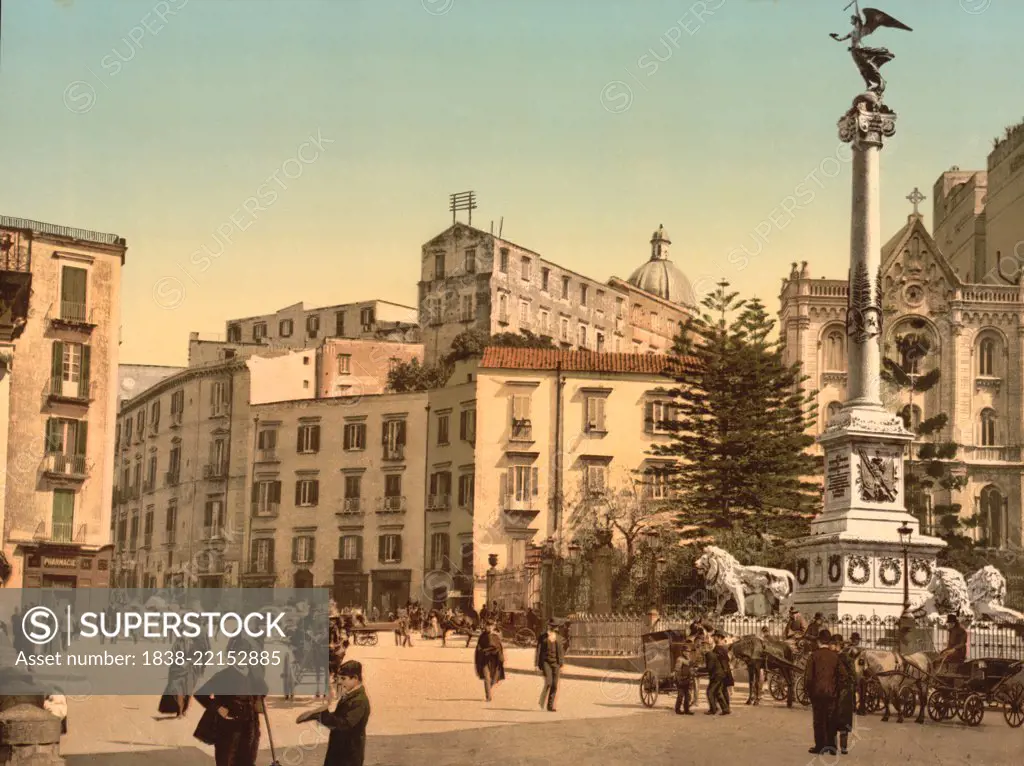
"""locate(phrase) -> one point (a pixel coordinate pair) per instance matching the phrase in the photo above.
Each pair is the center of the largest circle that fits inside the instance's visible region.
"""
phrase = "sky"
(321, 139)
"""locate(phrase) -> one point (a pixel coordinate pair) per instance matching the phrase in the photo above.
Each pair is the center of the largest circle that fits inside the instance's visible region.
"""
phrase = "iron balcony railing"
(522, 430)
(72, 311)
(351, 505)
(394, 453)
(84, 391)
(62, 531)
(266, 455)
(265, 509)
(66, 465)
(392, 504)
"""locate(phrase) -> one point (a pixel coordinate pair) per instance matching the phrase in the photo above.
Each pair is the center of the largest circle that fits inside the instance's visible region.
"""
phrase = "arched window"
(835, 351)
(992, 517)
(911, 415)
(988, 427)
(832, 410)
(913, 349)
(986, 357)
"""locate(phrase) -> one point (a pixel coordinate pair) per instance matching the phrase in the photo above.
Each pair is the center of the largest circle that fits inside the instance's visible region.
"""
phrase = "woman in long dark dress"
(490, 659)
(847, 695)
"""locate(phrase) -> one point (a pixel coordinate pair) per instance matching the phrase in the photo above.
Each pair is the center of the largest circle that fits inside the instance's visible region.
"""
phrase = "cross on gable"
(916, 198)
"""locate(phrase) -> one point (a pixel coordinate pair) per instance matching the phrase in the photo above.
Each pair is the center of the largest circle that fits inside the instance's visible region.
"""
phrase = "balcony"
(15, 286)
(265, 510)
(60, 391)
(66, 466)
(62, 532)
(175, 419)
(351, 505)
(990, 454)
(520, 503)
(214, 534)
(522, 430)
(267, 456)
(392, 504)
(439, 502)
(215, 471)
(149, 485)
(69, 315)
(172, 479)
(393, 453)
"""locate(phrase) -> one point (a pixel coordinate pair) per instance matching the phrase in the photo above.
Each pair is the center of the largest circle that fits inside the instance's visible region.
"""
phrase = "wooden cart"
(660, 652)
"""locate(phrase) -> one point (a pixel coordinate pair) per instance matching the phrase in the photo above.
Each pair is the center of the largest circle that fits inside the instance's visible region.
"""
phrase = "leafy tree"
(413, 376)
(470, 343)
(930, 467)
(739, 434)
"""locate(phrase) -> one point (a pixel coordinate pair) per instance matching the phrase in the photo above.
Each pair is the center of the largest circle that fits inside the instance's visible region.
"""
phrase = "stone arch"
(992, 516)
(989, 350)
(987, 428)
(832, 342)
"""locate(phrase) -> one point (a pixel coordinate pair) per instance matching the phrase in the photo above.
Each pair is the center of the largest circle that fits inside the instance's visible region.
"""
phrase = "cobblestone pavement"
(428, 708)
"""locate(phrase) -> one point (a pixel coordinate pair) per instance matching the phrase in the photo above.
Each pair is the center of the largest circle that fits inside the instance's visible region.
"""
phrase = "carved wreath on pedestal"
(857, 570)
(889, 571)
(802, 571)
(835, 568)
(920, 573)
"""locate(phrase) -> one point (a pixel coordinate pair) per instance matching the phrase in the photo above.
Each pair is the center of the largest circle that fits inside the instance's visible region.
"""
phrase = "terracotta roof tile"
(508, 358)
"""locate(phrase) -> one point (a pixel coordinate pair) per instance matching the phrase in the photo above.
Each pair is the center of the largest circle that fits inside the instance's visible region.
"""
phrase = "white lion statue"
(728, 578)
(947, 594)
(987, 591)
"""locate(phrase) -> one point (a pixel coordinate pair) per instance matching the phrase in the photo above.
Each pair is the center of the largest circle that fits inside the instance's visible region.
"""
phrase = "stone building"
(133, 379)
(298, 327)
(976, 336)
(470, 279)
(62, 400)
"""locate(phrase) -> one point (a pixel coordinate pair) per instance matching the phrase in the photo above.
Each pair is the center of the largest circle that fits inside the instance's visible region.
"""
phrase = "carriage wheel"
(936, 706)
(874, 696)
(801, 692)
(906, 699)
(777, 686)
(525, 637)
(954, 702)
(973, 710)
(649, 688)
(1013, 706)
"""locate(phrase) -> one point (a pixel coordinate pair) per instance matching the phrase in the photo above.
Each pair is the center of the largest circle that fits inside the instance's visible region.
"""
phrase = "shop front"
(390, 589)
(350, 584)
(49, 565)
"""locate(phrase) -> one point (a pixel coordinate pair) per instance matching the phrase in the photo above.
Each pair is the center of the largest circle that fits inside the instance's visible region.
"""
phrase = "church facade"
(975, 335)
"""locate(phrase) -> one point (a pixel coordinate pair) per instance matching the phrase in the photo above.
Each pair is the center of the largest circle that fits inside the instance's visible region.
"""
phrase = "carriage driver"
(796, 628)
(955, 653)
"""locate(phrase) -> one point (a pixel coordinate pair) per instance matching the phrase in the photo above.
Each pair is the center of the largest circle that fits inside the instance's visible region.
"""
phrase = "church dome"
(660, 277)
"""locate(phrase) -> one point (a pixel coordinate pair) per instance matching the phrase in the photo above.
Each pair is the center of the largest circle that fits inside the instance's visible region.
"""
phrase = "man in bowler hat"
(347, 743)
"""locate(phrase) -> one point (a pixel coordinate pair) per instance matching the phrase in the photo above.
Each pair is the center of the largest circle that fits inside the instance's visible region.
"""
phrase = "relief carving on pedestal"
(877, 480)
(857, 570)
(889, 571)
(835, 568)
(920, 573)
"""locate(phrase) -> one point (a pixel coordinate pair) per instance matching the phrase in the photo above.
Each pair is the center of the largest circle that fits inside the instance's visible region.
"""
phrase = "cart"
(513, 628)
(778, 687)
(981, 684)
(660, 651)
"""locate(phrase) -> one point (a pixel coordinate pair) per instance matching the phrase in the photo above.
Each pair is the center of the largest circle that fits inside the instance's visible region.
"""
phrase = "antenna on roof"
(462, 201)
(501, 225)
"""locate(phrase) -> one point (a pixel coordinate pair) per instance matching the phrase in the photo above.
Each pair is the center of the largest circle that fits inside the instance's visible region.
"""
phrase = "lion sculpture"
(947, 594)
(728, 578)
(987, 591)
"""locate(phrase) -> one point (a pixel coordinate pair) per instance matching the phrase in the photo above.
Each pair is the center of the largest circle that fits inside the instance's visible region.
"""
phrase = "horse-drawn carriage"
(660, 652)
(980, 684)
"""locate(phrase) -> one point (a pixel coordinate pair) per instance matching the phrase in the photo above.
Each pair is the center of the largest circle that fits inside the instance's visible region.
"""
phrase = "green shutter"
(298, 492)
(81, 436)
(315, 494)
(83, 377)
(53, 442)
(398, 548)
(57, 366)
(73, 285)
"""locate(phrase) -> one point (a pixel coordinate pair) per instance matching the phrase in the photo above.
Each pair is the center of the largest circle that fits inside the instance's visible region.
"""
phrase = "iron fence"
(619, 634)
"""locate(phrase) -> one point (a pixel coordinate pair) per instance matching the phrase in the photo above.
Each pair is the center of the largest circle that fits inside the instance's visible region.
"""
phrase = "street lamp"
(905, 531)
(659, 568)
(574, 553)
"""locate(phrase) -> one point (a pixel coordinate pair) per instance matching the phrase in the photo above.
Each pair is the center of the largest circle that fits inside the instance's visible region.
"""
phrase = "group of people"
(549, 657)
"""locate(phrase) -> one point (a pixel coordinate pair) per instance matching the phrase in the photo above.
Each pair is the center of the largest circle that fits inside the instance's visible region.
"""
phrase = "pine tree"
(740, 430)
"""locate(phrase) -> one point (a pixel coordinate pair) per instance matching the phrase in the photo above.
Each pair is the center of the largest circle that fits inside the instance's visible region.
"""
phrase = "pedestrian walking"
(846, 698)
(718, 674)
(823, 677)
(181, 680)
(549, 660)
(853, 650)
(684, 679)
(231, 722)
(347, 743)
(489, 659)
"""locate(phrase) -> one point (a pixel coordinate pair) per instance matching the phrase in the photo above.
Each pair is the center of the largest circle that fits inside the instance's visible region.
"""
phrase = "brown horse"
(914, 670)
(758, 652)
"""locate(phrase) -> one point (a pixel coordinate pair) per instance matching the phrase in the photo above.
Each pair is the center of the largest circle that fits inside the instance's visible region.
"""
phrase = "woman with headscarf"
(490, 659)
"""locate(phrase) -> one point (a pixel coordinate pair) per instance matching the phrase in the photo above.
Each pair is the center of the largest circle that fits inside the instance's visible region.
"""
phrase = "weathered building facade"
(296, 326)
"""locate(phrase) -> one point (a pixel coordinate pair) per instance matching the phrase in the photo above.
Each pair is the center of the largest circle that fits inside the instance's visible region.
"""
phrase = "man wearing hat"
(795, 628)
(846, 696)
(549, 660)
(684, 678)
(823, 677)
(955, 653)
(718, 675)
(347, 743)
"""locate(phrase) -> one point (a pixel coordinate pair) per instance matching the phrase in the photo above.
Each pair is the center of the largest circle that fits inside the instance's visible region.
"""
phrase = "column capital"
(867, 123)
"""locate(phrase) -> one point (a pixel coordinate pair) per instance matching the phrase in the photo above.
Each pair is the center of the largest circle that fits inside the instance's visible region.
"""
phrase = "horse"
(458, 624)
(917, 668)
(771, 654)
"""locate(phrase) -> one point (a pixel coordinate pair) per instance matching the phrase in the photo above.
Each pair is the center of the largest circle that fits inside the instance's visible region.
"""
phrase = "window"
(466, 489)
(140, 425)
(285, 328)
(154, 417)
(986, 355)
(636, 315)
(520, 484)
(73, 294)
(992, 517)
(467, 425)
(389, 549)
(350, 548)
(147, 529)
(545, 320)
(213, 518)
(307, 493)
(366, 317)
(565, 288)
(524, 314)
(66, 441)
(339, 324)
(261, 556)
(303, 549)
(595, 415)
(564, 329)
(259, 331)
(353, 490)
(234, 333)
(266, 443)
(133, 535)
(439, 551)
(835, 351)
(308, 439)
(393, 439)
(659, 417)
(656, 484)
(313, 325)
(442, 429)
(174, 467)
(439, 266)
(220, 398)
(525, 270)
(545, 278)
(171, 524)
(469, 262)
(266, 497)
(466, 310)
(344, 364)
(63, 516)
(151, 474)
(988, 427)
(355, 436)
(599, 301)
(595, 478)
(503, 262)
(70, 370)
(522, 428)
(583, 295)
(582, 336)
(503, 308)
(440, 490)
(177, 407)
(616, 344)
(393, 485)
(600, 341)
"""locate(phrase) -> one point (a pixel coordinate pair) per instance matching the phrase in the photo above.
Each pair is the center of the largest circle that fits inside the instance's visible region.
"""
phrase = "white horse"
(728, 578)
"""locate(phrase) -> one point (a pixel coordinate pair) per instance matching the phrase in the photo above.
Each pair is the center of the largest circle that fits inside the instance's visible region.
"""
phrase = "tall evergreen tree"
(739, 434)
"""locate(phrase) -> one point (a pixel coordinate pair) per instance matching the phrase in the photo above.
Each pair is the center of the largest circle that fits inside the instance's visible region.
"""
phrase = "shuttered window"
(308, 439)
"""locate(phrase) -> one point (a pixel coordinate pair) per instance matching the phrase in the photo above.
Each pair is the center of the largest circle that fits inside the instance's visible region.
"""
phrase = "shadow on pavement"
(176, 757)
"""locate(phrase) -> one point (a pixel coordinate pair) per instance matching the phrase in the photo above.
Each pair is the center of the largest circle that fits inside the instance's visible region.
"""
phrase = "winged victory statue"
(869, 60)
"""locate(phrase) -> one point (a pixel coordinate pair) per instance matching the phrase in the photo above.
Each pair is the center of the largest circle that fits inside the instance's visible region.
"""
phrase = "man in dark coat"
(347, 743)
(684, 679)
(847, 694)
(824, 676)
(550, 657)
(489, 659)
(231, 722)
(718, 675)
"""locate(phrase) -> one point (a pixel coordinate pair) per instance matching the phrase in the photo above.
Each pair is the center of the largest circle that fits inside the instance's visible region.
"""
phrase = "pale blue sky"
(163, 137)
